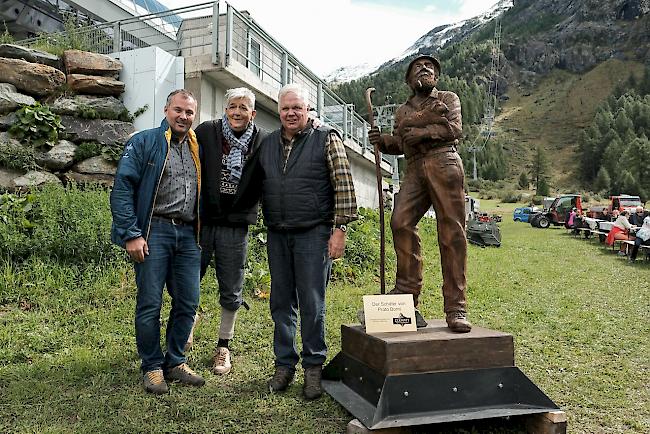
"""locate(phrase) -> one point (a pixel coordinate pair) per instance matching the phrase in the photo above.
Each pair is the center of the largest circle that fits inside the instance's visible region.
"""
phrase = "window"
(254, 56)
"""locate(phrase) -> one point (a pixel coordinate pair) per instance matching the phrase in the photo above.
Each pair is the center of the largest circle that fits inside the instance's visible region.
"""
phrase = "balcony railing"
(228, 35)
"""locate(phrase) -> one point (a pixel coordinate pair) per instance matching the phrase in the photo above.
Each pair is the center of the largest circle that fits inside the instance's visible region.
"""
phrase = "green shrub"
(538, 200)
(87, 150)
(510, 196)
(6, 37)
(17, 157)
(69, 225)
(37, 125)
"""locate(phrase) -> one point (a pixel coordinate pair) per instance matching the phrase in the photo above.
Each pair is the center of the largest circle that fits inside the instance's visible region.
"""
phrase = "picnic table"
(591, 222)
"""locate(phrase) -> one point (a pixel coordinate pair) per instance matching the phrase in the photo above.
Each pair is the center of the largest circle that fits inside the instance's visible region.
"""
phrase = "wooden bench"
(620, 243)
(585, 231)
(601, 235)
(646, 250)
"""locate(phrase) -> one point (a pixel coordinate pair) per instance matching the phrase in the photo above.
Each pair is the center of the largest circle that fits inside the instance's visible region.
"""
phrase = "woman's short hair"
(240, 92)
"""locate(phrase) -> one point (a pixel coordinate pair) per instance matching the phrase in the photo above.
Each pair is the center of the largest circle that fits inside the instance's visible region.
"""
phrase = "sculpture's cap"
(435, 62)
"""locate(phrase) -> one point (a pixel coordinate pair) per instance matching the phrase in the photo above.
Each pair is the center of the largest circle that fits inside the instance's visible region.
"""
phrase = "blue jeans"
(229, 246)
(174, 259)
(300, 268)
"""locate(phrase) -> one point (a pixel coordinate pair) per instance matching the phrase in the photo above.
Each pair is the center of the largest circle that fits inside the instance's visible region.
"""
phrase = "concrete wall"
(149, 75)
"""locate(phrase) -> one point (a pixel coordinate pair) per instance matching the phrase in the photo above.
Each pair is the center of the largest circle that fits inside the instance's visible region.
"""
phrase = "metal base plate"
(429, 398)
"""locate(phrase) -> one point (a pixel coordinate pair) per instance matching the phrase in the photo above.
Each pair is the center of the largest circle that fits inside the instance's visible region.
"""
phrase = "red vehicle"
(621, 202)
(557, 211)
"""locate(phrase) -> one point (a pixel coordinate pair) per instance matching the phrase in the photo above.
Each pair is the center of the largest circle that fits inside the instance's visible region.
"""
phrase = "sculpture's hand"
(414, 135)
(374, 136)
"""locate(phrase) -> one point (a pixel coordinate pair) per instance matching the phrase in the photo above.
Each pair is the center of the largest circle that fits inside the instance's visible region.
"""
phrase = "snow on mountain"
(430, 42)
(438, 37)
(349, 73)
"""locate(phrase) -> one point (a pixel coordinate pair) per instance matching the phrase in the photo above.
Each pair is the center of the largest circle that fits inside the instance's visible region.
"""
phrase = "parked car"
(523, 214)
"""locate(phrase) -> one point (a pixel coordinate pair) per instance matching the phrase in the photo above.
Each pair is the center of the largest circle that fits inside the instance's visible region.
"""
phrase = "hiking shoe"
(221, 361)
(313, 389)
(154, 382)
(282, 377)
(184, 375)
(419, 320)
(457, 322)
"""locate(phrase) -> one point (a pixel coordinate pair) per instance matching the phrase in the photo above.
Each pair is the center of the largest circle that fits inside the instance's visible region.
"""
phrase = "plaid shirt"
(345, 201)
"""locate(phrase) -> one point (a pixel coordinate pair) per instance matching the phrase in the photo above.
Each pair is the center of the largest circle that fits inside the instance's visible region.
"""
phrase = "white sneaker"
(221, 362)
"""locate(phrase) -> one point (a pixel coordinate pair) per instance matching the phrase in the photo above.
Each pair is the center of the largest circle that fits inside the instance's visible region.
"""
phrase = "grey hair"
(186, 93)
(240, 92)
(300, 92)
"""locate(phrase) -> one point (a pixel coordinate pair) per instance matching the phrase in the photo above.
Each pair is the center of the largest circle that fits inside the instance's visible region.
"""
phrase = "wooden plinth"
(431, 349)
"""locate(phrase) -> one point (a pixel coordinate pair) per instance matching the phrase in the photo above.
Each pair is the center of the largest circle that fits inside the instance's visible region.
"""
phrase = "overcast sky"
(327, 34)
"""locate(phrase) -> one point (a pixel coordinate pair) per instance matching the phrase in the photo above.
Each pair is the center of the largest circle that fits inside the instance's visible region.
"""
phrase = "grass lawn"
(579, 316)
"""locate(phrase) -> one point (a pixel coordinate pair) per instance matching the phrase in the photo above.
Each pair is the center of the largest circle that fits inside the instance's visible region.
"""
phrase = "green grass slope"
(579, 316)
(553, 113)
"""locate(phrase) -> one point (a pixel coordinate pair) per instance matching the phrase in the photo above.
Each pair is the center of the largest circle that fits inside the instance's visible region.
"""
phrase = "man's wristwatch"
(344, 228)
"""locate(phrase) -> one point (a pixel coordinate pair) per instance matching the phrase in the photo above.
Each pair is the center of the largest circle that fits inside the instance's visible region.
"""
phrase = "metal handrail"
(108, 37)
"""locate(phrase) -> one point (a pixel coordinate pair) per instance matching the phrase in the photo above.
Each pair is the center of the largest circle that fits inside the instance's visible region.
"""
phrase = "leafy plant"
(112, 152)
(75, 36)
(37, 125)
(5, 37)
(126, 116)
(18, 209)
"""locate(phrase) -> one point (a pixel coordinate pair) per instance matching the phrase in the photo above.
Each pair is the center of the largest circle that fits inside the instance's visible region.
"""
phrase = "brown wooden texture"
(553, 422)
(430, 349)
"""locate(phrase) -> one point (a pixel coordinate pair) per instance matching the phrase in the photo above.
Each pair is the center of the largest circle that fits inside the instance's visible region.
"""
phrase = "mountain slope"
(558, 61)
(553, 114)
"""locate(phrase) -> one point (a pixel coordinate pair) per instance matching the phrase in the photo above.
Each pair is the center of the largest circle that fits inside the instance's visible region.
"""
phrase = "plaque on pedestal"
(430, 376)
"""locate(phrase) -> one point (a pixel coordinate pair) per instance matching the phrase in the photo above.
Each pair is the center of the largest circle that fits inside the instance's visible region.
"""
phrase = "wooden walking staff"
(382, 243)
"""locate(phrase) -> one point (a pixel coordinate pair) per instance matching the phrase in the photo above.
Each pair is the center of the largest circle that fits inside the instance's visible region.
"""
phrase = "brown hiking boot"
(184, 375)
(282, 377)
(154, 382)
(457, 322)
(313, 389)
(221, 361)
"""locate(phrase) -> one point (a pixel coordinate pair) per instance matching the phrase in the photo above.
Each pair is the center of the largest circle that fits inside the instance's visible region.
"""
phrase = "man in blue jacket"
(155, 202)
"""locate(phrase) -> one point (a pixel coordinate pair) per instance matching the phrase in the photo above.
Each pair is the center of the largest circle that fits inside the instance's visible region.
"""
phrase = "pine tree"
(603, 181)
(523, 181)
(538, 171)
(542, 188)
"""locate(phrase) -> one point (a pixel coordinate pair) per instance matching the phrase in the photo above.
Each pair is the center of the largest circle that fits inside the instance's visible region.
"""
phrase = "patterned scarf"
(238, 148)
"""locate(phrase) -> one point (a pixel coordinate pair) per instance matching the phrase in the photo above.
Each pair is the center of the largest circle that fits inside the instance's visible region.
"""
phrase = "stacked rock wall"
(83, 89)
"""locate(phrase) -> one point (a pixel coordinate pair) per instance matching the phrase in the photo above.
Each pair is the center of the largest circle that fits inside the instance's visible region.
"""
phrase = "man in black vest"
(229, 149)
(307, 199)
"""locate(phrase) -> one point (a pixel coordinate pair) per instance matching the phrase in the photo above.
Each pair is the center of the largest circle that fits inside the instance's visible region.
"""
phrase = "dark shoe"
(154, 382)
(184, 375)
(419, 320)
(282, 377)
(313, 389)
(457, 322)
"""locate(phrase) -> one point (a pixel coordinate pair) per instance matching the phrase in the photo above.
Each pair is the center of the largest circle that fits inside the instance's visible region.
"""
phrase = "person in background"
(155, 203)
(642, 238)
(606, 215)
(637, 217)
(307, 199)
(620, 231)
(570, 220)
